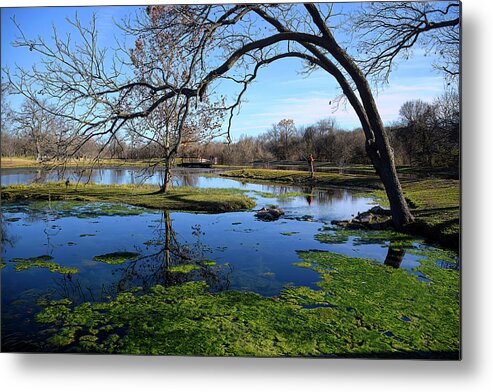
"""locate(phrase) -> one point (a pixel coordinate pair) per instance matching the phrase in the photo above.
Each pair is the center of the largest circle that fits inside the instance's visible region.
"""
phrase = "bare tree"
(387, 32)
(280, 138)
(229, 43)
(34, 123)
(160, 58)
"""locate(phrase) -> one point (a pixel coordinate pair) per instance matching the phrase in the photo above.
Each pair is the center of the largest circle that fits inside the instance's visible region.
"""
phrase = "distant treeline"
(427, 135)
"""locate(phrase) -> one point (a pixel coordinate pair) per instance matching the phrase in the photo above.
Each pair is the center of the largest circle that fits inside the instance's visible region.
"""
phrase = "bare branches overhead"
(386, 32)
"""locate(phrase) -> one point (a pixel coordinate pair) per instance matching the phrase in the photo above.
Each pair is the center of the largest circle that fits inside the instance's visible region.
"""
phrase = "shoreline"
(433, 202)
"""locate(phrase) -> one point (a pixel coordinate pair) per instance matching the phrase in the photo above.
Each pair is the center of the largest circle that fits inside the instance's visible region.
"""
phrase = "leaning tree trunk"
(385, 168)
(377, 145)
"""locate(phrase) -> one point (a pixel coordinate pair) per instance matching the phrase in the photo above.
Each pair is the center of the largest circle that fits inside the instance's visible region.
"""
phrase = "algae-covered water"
(68, 267)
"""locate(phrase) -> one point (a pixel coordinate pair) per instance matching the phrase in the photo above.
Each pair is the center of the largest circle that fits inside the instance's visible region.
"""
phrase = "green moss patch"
(436, 206)
(289, 233)
(303, 178)
(361, 309)
(183, 268)
(381, 298)
(397, 239)
(179, 198)
(207, 263)
(44, 261)
(116, 257)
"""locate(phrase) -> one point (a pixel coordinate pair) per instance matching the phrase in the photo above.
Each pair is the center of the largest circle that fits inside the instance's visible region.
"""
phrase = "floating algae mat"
(44, 261)
(116, 257)
(360, 308)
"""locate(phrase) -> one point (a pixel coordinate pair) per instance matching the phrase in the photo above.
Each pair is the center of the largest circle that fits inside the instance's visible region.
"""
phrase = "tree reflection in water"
(394, 257)
(172, 263)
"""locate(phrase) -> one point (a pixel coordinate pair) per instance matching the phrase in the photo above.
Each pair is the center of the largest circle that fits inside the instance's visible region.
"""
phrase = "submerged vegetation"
(330, 235)
(360, 308)
(116, 257)
(78, 209)
(179, 198)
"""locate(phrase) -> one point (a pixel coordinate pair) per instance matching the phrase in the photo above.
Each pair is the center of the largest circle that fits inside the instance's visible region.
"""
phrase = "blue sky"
(279, 92)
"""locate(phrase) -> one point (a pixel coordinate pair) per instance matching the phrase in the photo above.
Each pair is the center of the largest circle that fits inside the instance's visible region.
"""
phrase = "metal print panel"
(271, 180)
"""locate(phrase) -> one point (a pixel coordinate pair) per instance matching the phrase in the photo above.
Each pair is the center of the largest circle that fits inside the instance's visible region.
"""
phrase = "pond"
(90, 252)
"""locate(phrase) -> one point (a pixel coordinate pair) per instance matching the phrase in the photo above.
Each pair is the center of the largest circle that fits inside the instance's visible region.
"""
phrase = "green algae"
(207, 263)
(381, 297)
(330, 235)
(116, 257)
(183, 268)
(142, 196)
(361, 308)
(79, 209)
(43, 261)
(289, 233)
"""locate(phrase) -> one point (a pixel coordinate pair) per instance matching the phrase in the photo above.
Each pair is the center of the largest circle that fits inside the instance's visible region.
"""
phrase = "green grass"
(24, 162)
(18, 162)
(180, 198)
(361, 308)
(303, 178)
(435, 206)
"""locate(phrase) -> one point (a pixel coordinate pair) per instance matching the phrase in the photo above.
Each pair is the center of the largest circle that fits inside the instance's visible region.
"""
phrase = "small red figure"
(310, 165)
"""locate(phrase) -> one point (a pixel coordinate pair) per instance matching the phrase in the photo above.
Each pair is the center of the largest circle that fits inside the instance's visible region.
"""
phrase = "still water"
(230, 251)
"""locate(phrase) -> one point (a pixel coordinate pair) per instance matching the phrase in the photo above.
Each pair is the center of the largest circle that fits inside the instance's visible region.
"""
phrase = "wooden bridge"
(196, 162)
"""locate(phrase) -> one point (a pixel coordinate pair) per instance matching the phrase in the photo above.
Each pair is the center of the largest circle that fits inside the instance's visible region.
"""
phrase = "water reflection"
(394, 256)
(172, 262)
(181, 177)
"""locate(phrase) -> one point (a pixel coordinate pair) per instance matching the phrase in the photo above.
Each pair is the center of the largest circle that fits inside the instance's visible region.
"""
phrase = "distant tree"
(448, 112)
(325, 148)
(280, 139)
(7, 141)
(430, 131)
(34, 123)
(421, 124)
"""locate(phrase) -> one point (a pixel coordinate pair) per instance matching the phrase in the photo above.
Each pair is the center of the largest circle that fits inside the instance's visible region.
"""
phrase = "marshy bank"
(433, 202)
